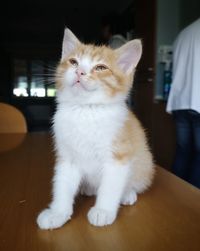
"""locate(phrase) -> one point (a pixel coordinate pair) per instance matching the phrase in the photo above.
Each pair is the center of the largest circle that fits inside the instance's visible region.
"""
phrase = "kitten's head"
(89, 74)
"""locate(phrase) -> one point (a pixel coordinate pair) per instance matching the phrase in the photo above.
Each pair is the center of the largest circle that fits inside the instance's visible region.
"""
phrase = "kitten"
(100, 145)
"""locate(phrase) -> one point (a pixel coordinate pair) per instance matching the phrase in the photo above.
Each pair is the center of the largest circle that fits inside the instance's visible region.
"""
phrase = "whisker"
(47, 80)
(49, 84)
(43, 74)
(46, 67)
(47, 75)
(44, 77)
(44, 81)
(50, 63)
(51, 69)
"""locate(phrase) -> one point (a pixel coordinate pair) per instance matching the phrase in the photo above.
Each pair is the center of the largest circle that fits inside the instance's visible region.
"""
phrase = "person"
(184, 103)
(111, 31)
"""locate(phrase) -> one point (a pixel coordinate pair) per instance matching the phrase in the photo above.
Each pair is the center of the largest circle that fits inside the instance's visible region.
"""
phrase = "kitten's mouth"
(81, 85)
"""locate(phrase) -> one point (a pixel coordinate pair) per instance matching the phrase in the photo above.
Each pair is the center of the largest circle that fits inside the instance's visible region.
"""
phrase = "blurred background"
(30, 48)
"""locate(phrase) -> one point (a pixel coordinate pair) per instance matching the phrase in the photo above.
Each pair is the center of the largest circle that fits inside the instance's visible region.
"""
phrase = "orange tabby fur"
(113, 79)
(101, 146)
(131, 141)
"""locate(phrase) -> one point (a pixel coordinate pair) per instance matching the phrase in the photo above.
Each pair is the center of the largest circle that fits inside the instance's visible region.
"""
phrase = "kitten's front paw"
(49, 219)
(100, 217)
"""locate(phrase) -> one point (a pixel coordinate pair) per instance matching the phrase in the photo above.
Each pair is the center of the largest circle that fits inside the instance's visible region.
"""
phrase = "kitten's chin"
(79, 86)
(81, 94)
(78, 97)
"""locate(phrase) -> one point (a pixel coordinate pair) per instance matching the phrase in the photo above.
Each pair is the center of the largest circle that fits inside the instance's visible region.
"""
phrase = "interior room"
(31, 49)
(31, 39)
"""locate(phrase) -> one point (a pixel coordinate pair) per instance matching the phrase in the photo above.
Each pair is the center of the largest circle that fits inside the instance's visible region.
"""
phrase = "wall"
(168, 26)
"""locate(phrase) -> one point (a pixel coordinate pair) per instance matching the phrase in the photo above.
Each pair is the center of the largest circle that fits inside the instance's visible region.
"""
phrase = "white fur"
(84, 136)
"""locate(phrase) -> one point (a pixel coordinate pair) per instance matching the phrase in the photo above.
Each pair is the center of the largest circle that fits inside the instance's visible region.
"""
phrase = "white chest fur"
(85, 134)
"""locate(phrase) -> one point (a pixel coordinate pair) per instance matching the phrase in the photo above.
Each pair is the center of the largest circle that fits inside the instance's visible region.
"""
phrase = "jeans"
(187, 159)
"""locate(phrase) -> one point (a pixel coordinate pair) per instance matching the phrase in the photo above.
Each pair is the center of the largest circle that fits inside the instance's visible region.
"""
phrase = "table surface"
(167, 217)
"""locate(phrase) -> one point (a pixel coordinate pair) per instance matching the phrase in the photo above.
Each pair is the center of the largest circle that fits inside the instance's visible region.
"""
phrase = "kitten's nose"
(80, 72)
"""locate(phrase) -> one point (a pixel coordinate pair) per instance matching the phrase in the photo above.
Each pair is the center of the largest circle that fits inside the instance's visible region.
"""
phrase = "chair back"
(11, 119)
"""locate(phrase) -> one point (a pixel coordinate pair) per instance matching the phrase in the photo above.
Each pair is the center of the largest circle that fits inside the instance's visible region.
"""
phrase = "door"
(143, 91)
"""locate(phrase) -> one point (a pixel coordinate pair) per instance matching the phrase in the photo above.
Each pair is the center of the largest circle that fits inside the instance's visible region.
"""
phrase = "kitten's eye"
(100, 67)
(73, 62)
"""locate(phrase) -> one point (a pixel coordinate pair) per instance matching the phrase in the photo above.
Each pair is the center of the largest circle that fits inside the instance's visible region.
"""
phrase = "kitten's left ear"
(129, 55)
(70, 42)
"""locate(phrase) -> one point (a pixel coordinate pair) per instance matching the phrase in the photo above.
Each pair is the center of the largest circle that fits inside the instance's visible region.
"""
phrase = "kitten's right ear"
(70, 42)
(129, 55)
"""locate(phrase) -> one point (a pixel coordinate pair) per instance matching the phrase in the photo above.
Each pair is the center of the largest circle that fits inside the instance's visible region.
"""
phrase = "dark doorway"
(32, 32)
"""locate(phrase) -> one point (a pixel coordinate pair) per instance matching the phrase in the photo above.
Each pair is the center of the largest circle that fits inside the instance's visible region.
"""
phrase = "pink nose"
(80, 72)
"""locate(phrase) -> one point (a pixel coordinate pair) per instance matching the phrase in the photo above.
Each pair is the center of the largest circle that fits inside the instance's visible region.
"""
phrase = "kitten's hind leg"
(129, 198)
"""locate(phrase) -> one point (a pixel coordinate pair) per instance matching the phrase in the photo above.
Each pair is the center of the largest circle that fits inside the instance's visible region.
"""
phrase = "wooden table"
(167, 217)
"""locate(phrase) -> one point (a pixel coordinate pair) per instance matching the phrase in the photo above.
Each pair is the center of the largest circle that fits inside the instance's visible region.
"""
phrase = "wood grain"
(167, 217)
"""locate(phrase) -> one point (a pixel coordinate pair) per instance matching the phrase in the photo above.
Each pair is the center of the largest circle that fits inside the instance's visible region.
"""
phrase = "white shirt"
(185, 89)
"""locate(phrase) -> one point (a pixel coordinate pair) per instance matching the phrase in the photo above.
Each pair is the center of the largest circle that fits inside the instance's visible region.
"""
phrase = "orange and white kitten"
(100, 145)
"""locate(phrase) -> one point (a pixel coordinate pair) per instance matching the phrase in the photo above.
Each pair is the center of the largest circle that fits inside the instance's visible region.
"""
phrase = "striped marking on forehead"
(98, 54)
(86, 62)
(89, 56)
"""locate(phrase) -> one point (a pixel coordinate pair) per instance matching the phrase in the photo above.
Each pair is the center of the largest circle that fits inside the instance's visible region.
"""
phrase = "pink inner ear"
(125, 61)
(129, 55)
(70, 42)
